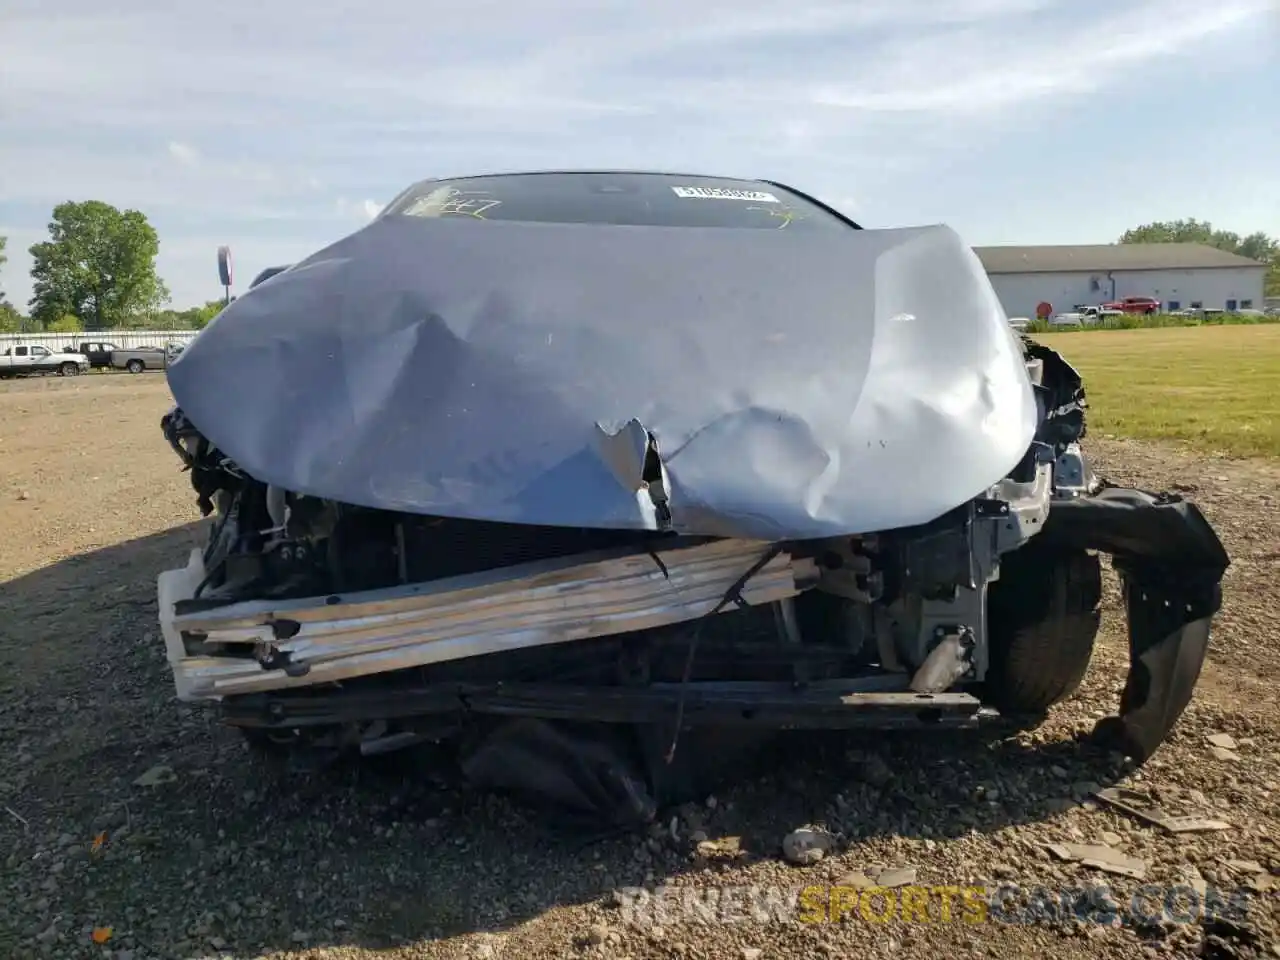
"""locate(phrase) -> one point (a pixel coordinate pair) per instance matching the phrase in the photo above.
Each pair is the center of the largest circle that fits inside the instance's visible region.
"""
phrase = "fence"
(125, 339)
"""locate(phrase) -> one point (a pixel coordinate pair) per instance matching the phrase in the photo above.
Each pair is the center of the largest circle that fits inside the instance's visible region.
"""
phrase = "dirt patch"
(228, 856)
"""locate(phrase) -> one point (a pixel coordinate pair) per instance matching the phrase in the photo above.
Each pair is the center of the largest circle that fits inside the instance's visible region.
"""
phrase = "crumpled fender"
(1171, 564)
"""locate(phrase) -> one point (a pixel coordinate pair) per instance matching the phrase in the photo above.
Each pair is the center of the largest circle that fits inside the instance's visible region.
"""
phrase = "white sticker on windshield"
(722, 193)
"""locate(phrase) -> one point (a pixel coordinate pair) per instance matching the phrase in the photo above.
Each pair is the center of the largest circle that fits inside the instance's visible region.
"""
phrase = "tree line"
(1256, 246)
(97, 270)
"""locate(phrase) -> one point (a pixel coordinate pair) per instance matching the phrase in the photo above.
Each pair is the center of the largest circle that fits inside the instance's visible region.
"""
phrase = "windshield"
(617, 198)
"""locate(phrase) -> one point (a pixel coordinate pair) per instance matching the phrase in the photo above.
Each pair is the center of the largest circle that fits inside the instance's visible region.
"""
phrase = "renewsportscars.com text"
(937, 903)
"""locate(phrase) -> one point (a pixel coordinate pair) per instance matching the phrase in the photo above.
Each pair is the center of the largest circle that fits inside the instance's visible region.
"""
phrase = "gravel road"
(217, 854)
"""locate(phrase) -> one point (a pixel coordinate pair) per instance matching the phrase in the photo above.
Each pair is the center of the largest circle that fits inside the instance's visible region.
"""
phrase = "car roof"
(595, 171)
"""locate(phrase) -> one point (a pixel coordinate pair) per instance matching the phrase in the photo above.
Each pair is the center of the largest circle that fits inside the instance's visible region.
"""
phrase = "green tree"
(198, 317)
(1256, 246)
(68, 324)
(10, 318)
(193, 318)
(99, 264)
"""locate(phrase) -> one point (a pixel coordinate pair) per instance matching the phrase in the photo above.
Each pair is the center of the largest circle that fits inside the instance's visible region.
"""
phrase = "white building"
(1179, 275)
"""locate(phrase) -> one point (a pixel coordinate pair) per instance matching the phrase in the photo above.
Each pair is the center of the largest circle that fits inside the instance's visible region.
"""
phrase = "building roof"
(1103, 257)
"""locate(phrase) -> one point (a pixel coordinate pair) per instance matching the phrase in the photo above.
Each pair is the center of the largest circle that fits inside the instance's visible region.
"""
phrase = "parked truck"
(1092, 314)
(144, 358)
(1141, 305)
(98, 352)
(27, 359)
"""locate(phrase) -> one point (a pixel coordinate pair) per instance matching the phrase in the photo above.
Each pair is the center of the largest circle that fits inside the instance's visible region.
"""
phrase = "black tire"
(1043, 618)
(135, 366)
(68, 370)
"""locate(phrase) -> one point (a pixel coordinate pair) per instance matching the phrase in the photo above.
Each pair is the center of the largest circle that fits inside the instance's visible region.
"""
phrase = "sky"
(279, 127)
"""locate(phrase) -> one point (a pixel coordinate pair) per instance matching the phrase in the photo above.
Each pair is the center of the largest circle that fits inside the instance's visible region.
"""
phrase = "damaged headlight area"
(572, 663)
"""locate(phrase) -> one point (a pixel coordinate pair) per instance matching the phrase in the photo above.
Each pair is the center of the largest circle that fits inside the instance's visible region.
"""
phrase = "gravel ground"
(225, 856)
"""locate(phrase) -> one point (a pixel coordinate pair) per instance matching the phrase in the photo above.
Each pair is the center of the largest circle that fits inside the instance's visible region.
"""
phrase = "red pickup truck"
(1134, 305)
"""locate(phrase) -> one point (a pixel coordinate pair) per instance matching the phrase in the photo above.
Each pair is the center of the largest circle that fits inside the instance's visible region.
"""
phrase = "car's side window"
(20, 352)
(39, 351)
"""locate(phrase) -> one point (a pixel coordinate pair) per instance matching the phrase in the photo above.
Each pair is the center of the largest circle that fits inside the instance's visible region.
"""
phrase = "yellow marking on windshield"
(451, 202)
(785, 214)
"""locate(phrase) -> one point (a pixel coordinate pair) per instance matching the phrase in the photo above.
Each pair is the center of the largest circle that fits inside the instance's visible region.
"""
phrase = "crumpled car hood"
(797, 385)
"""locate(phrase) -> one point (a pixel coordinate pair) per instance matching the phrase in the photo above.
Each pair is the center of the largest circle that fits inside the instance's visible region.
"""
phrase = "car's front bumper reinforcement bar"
(260, 645)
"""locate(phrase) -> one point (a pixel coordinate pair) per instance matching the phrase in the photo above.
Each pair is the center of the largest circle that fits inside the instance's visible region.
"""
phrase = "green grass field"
(1214, 388)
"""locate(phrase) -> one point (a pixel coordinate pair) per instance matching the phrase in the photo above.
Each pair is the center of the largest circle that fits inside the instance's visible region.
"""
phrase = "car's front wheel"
(68, 370)
(135, 366)
(1043, 618)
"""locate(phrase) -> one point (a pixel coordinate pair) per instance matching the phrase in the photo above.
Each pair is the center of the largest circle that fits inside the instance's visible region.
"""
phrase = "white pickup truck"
(23, 360)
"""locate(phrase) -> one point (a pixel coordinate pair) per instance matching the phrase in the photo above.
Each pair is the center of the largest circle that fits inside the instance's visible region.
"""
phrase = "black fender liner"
(1171, 565)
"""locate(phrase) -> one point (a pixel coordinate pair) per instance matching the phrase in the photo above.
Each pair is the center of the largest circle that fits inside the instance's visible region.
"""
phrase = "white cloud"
(184, 153)
(362, 210)
(431, 66)
(977, 72)
(242, 126)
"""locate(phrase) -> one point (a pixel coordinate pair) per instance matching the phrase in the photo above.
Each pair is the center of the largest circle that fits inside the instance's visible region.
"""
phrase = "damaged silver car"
(556, 468)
